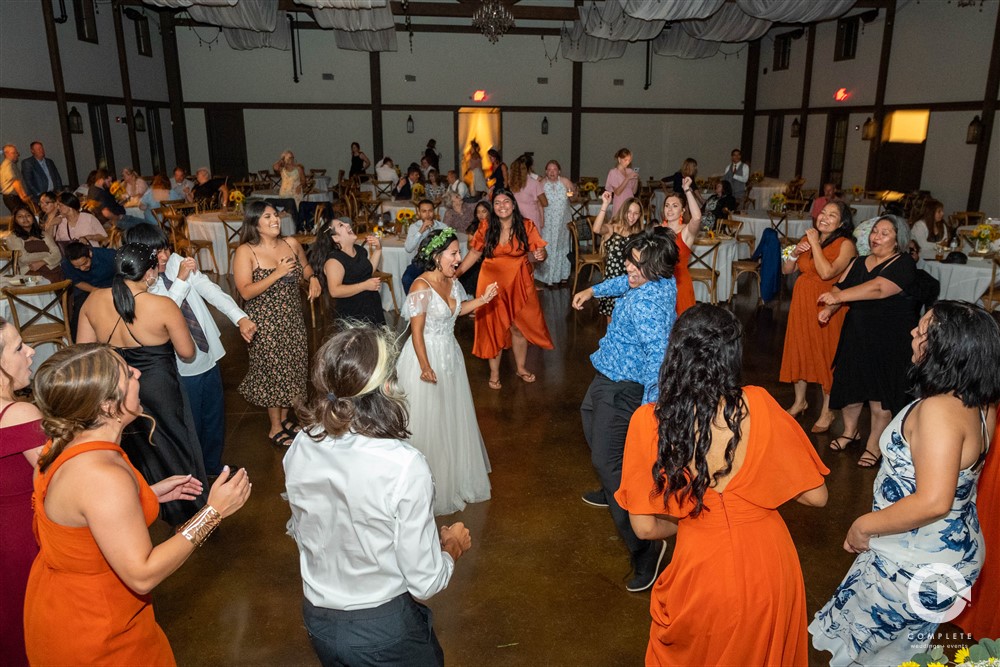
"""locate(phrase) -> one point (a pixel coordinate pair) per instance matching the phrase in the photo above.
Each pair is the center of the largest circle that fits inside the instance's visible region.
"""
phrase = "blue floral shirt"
(636, 341)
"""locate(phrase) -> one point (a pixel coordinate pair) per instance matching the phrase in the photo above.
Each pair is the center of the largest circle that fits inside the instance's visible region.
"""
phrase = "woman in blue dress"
(922, 535)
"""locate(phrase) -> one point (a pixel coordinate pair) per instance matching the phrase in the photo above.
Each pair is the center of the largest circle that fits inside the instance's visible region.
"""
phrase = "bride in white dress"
(431, 371)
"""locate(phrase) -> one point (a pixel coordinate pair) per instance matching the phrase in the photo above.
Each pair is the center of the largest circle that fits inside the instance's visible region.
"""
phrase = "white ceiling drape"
(355, 19)
(611, 22)
(729, 24)
(671, 10)
(260, 15)
(176, 4)
(366, 40)
(576, 45)
(679, 44)
(343, 4)
(794, 11)
(244, 40)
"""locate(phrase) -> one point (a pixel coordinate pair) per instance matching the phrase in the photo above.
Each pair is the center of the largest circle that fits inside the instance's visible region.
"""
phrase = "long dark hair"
(132, 261)
(846, 229)
(35, 231)
(69, 199)
(249, 233)
(433, 245)
(517, 226)
(322, 248)
(700, 373)
(474, 225)
(961, 355)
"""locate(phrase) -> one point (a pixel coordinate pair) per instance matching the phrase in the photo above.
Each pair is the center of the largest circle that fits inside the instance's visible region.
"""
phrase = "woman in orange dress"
(687, 233)
(810, 346)
(514, 318)
(733, 593)
(88, 596)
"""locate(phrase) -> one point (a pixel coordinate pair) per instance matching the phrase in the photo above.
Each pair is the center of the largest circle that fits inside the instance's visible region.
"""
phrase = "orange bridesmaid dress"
(733, 593)
(685, 286)
(517, 300)
(77, 611)
(810, 348)
(981, 618)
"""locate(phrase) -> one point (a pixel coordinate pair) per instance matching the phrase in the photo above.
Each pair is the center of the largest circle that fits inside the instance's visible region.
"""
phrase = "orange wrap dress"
(685, 286)
(981, 618)
(809, 347)
(77, 611)
(516, 301)
(733, 593)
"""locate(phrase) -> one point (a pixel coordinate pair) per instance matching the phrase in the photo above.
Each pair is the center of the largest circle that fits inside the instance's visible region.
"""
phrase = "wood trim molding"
(85, 98)
(576, 122)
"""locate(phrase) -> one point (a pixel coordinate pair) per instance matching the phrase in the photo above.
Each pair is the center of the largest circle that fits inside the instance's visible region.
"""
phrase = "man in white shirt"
(418, 231)
(361, 499)
(182, 183)
(190, 289)
(456, 185)
(737, 173)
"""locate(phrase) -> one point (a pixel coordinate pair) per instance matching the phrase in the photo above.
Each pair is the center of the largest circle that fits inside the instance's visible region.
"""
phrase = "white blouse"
(362, 516)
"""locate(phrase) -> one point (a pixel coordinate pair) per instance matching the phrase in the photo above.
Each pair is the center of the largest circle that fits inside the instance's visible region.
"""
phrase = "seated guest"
(360, 578)
(76, 225)
(192, 290)
(108, 208)
(688, 168)
(418, 231)
(386, 170)
(38, 254)
(49, 216)
(135, 186)
(459, 213)
(182, 183)
(425, 167)
(39, 172)
(456, 185)
(89, 269)
(829, 195)
(158, 193)
(720, 205)
(434, 188)
(929, 229)
(207, 187)
(404, 187)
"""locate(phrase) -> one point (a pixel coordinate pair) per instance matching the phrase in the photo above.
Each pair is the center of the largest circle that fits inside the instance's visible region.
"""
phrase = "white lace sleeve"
(417, 303)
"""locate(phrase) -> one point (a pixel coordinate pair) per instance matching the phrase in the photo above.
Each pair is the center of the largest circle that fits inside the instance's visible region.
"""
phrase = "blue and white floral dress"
(869, 620)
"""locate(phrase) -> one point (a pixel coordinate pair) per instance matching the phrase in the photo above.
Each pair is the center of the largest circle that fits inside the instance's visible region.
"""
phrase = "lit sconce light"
(545, 124)
(140, 121)
(796, 128)
(975, 132)
(75, 121)
(409, 124)
(479, 96)
(868, 130)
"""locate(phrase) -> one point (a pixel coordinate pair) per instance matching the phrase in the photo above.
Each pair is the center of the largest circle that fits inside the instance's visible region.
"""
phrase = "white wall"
(405, 148)
(24, 121)
(522, 132)
(781, 89)
(948, 160)
(859, 76)
(320, 139)
(198, 139)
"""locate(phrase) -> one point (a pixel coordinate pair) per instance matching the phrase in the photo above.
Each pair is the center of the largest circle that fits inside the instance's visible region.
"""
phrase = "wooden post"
(133, 141)
(175, 95)
(375, 73)
(576, 122)
(989, 118)
(800, 150)
(52, 38)
(878, 115)
(750, 101)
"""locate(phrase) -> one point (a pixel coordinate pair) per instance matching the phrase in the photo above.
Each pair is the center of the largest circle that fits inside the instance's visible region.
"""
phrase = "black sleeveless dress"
(365, 306)
(173, 448)
(357, 165)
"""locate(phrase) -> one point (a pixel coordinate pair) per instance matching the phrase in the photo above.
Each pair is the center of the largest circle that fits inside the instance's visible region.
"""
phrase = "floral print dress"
(614, 265)
(870, 619)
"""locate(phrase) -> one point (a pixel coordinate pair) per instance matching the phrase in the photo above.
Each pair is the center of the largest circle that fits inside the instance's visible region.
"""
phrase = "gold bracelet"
(201, 525)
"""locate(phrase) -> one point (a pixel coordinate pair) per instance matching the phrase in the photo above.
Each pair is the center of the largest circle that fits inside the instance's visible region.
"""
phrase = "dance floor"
(544, 581)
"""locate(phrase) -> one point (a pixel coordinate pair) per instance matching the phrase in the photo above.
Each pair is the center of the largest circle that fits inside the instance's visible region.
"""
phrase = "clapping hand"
(813, 237)
(803, 247)
(177, 487)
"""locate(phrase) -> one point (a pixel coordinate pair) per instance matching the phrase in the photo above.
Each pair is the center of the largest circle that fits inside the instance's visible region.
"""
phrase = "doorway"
(482, 125)
(835, 149)
(227, 142)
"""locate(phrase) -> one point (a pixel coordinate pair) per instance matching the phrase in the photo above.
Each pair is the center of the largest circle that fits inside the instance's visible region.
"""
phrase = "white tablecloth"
(45, 350)
(767, 188)
(208, 226)
(395, 259)
(392, 207)
(963, 282)
(316, 196)
(728, 253)
(756, 221)
(864, 209)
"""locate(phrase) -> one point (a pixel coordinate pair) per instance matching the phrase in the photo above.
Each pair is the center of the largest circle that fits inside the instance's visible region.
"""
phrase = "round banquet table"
(767, 188)
(961, 282)
(729, 251)
(44, 350)
(757, 220)
(864, 209)
(208, 227)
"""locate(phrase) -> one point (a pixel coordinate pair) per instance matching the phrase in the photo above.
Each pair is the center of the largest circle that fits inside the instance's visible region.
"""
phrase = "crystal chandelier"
(493, 19)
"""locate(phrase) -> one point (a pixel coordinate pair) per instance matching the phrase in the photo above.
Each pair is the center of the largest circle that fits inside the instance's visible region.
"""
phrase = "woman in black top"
(349, 271)
(359, 161)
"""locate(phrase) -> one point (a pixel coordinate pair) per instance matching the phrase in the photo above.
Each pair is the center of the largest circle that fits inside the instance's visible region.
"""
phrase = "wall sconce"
(75, 121)
(796, 128)
(545, 124)
(975, 132)
(868, 130)
(409, 124)
(140, 121)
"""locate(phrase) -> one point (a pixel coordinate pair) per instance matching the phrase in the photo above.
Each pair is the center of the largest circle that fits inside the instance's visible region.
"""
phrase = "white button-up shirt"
(362, 516)
(196, 290)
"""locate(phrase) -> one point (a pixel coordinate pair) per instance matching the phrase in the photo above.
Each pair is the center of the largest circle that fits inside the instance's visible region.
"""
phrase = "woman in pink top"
(528, 191)
(76, 225)
(622, 182)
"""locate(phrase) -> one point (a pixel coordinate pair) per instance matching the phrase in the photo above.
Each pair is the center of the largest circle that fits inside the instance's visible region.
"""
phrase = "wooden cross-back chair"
(8, 261)
(182, 242)
(703, 265)
(779, 223)
(231, 223)
(991, 299)
(46, 323)
(594, 258)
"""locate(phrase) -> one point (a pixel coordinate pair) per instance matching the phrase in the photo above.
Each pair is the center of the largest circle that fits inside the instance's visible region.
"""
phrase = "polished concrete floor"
(544, 581)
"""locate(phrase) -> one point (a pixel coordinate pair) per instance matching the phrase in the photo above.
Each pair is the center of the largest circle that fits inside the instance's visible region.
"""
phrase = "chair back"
(8, 261)
(704, 256)
(779, 223)
(317, 172)
(727, 227)
(231, 222)
(991, 299)
(965, 218)
(46, 323)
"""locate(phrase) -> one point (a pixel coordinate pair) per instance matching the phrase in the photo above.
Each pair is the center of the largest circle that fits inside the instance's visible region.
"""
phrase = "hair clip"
(330, 396)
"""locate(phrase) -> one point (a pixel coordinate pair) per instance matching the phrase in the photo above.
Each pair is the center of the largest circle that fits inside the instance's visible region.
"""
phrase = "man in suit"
(404, 188)
(39, 172)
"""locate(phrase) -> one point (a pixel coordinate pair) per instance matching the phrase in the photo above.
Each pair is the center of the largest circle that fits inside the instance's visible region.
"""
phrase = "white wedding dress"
(442, 416)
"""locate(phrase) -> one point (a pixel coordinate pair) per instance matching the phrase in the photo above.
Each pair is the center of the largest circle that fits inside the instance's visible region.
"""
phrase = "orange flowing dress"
(981, 618)
(733, 593)
(77, 611)
(809, 347)
(685, 286)
(516, 302)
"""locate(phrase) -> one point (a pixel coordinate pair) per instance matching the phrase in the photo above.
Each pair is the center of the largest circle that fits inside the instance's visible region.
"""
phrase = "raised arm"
(599, 226)
(694, 225)
(471, 257)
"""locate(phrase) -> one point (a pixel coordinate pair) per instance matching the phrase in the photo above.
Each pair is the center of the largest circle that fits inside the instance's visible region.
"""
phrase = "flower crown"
(444, 237)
